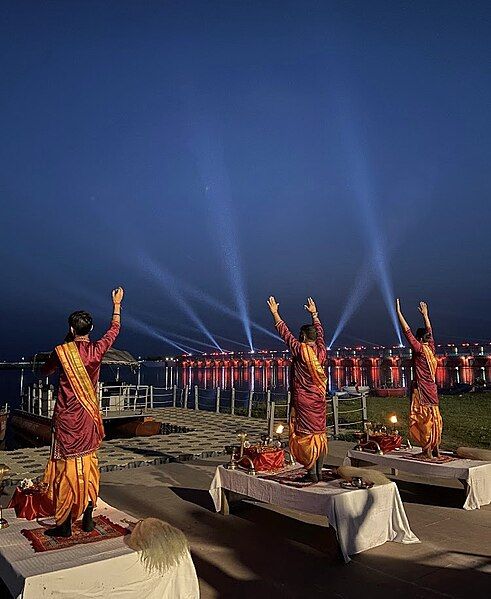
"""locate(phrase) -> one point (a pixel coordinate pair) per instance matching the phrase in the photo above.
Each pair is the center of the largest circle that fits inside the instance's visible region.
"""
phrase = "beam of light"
(191, 328)
(203, 296)
(387, 288)
(214, 303)
(231, 341)
(359, 292)
(195, 341)
(217, 192)
(144, 328)
(170, 284)
(366, 341)
(366, 203)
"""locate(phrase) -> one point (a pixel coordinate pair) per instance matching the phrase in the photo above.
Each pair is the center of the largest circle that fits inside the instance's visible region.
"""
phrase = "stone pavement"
(262, 551)
(209, 434)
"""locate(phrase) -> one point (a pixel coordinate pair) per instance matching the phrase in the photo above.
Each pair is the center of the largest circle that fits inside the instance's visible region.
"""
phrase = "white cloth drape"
(477, 474)
(95, 570)
(362, 518)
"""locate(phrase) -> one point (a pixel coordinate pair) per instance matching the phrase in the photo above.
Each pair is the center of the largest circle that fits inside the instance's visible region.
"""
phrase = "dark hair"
(423, 335)
(308, 332)
(80, 322)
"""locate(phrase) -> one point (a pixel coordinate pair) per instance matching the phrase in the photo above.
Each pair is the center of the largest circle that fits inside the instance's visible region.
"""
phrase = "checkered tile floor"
(208, 437)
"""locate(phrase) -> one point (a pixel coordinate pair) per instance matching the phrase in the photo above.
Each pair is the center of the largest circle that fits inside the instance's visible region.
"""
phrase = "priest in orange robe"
(425, 421)
(72, 472)
(308, 439)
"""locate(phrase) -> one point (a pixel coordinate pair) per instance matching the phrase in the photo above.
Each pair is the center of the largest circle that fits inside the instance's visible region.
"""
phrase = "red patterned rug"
(293, 478)
(104, 530)
(417, 457)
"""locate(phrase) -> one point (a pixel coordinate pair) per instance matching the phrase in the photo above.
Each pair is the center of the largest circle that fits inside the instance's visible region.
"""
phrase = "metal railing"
(269, 405)
(121, 398)
(336, 413)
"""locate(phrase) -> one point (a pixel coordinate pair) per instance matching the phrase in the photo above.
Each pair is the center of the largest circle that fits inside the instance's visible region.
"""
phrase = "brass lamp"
(393, 421)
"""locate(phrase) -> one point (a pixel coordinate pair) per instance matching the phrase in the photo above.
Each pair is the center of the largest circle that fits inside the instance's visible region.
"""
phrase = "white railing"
(270, 404)
(39, 400)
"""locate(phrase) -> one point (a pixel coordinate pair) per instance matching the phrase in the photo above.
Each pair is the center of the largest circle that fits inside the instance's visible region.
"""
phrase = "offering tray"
(348, 484)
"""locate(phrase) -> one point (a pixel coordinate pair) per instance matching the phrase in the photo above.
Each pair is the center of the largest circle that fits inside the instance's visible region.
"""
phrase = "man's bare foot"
(436, 452)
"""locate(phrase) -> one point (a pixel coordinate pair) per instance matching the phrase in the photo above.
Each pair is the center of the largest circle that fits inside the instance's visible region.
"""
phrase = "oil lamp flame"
(393, 419)
(279, 429)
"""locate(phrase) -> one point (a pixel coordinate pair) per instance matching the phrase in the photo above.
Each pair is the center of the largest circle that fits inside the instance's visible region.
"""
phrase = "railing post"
(364, 407)
(196, 397)
(174, 396)
(232, 401)
(335, 414)
(186, 392)
(288, 402)
(271, 420)
(217, 410)
(249, 404)
(151, 397)
(268, 402)
(49, 400)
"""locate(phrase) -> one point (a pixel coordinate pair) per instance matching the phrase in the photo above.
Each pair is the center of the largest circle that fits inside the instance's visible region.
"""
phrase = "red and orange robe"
(72, 472)
(425, 421)
(308, 384)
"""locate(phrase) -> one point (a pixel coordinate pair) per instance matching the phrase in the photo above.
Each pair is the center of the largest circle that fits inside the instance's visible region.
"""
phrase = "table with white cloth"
(475, 475)
(107, 568)
(362, 518)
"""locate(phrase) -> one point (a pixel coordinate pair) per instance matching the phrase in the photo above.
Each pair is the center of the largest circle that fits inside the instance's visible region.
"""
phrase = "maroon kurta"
(423, 379)
(307, 399)
(76, 433)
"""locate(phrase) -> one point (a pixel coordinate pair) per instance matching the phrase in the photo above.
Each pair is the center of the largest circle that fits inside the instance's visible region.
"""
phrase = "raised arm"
(400, 316)
(284, 332)
(108, 339)
(413, 342)
(311, 307)
(423, 308)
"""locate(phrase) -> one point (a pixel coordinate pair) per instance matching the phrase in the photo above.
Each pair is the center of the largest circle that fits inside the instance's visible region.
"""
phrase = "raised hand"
(273, 305)
(398, 305)
(423, 308)
(310, 306)
(117, 295)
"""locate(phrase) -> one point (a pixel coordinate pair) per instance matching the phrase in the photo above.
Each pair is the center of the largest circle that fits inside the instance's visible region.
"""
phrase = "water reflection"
(270, 374)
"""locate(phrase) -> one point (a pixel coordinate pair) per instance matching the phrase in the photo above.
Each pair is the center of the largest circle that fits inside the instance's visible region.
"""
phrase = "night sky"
(233, 150)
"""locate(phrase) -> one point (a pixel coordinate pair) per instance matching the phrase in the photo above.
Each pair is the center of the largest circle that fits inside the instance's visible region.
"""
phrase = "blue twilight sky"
(216, 152)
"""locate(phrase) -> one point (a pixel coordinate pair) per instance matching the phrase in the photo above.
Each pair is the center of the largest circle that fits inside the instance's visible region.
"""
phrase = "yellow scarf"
(315, 368)
(431, 359)
(80, 381)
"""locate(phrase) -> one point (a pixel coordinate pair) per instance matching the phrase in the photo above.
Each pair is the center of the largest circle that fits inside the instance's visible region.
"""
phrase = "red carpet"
(293, 478)
(417, 457)
(104, 530)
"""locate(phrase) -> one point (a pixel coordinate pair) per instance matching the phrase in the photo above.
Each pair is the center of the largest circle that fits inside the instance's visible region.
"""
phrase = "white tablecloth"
(104, 569)
(362, 518)
(477, 474)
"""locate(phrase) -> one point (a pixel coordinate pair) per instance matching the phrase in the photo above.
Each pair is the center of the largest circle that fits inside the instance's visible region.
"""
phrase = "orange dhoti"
(425, 423)
(72, 483)
(306, 448)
